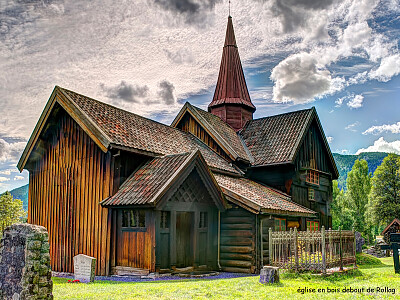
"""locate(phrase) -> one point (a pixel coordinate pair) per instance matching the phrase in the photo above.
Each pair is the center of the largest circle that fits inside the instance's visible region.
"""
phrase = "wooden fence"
(311, 250)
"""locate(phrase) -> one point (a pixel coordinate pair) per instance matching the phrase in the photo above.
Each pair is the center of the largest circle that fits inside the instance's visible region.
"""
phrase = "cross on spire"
(229, 7)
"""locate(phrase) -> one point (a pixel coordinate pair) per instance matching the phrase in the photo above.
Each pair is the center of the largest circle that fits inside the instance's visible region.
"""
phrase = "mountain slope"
(344, 163)
(21, 193)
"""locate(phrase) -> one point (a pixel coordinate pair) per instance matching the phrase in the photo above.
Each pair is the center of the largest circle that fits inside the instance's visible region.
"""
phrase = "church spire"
(231, 101)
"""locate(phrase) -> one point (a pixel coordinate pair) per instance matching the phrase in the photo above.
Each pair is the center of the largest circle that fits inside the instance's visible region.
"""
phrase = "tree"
(341, 214)
(385, 192)
(358, 189)
(11, 211)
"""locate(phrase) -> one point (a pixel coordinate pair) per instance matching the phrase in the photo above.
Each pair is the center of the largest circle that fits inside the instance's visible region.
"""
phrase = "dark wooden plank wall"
(312, 153)
(238, 241)
(189, 124)
(65, 188)
(136, 249)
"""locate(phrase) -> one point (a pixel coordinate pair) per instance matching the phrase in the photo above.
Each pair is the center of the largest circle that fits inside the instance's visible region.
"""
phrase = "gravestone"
(360, 241)
(84, 268)
(25, 263)
(269, 274)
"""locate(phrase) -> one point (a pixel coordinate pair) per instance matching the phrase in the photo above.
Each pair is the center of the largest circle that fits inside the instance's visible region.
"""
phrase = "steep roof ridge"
(231, 84)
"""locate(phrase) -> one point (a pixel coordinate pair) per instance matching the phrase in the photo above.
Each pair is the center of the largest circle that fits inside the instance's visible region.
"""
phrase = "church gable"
(313, 151)
(192, 190)
(212, 130)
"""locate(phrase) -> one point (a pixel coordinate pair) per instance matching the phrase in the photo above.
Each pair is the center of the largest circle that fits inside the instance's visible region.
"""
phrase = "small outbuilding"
(393, 227)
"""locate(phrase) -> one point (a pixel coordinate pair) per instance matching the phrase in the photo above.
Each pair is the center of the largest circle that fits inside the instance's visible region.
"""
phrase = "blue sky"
(149, 57)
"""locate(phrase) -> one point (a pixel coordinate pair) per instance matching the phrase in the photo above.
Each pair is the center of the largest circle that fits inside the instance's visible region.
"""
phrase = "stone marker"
(360, 241)
(269, 274)
(84, 268)
(25, 263)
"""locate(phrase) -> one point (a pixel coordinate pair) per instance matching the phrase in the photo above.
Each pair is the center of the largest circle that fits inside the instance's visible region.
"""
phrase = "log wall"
(65, 189)
(238, 241)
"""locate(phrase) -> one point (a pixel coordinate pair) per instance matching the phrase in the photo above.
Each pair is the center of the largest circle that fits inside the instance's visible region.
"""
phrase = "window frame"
(312, 177)
(138, 214)
(280, 220)
(311, 194)
(312, 225)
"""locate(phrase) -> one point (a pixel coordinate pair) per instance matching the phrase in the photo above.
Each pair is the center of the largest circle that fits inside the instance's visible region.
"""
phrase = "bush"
(366, 259)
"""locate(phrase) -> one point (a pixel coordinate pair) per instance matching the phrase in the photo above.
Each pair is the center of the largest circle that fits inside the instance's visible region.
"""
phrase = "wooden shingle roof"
(223, 134)
(259, 198)
(272, 140)
(110, 126)
(231, 85)
(149, 184)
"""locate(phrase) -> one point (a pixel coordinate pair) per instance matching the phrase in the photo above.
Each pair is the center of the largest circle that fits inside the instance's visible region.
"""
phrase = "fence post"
(296, 254)
(323, 238)
(270, 247)
(355, 248)
(341, 249)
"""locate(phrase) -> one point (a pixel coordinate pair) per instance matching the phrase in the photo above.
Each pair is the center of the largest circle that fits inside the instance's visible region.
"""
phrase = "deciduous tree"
(11, 211)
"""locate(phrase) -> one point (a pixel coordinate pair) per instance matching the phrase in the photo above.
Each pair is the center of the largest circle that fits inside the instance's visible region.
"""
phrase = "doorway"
(184, 239)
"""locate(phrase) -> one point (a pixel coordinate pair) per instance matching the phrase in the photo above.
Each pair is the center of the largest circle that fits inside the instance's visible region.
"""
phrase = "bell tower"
(231, 101)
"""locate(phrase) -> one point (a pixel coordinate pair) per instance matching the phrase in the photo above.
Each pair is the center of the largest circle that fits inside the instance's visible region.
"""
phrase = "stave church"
(201, 193)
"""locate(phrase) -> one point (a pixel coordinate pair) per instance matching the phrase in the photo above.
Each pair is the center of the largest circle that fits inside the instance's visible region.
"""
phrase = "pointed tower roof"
(231, 86)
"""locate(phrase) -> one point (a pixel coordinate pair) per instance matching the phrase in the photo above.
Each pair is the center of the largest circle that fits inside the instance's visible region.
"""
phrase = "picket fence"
(312, 250)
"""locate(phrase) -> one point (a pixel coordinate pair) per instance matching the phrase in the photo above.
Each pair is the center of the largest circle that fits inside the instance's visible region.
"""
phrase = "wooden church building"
(202, 192)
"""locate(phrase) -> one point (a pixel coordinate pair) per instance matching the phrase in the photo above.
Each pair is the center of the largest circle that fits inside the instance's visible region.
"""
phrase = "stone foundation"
(25, 263)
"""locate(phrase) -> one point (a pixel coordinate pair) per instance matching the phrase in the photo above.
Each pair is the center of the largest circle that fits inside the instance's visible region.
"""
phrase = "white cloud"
(10, 151)
(329, 139)
(4, 179)
(356, 102)
(380, 145)
(17, 177)
(298, 78)
(389, 67)
(351, 127)
(393, 128)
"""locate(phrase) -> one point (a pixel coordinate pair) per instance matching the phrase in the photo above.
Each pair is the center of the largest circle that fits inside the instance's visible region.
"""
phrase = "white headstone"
(84, 268)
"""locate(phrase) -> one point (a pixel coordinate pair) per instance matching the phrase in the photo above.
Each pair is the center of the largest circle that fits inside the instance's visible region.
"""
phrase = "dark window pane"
(125, 218)
(141, 218)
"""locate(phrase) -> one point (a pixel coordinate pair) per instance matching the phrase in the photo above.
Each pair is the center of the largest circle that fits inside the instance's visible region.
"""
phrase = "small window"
(165, 217)
(312, 177)
(311, 194)
(133, 218)
(313, 225)
(203, 220)
(280, 224)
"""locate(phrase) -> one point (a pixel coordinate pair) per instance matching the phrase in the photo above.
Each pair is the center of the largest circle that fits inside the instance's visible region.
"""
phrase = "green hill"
(344, 163)
(22, 194)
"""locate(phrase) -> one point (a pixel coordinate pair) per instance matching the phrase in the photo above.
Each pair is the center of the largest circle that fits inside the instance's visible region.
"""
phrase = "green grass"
(367, 276)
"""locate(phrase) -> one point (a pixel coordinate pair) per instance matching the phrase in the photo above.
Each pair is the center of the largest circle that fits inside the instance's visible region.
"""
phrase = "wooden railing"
(311, 250)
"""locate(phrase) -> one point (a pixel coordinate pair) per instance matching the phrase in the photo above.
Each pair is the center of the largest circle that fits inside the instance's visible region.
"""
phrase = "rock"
(269, 274)
(21, 263)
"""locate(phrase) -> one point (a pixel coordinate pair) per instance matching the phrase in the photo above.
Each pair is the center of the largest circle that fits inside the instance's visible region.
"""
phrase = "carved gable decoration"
(192, 190)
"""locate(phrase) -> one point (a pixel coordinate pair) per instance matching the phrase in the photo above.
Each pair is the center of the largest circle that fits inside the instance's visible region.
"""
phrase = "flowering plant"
(74, 281)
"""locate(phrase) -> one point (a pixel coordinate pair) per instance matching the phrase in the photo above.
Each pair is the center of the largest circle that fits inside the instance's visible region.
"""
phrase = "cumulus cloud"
(126, 92)
(329, 139)
(17, 177)
(179, 57)
(4, 179)
(166, 92)
(352, 127)
(299, 13)
(380, 145)
(393, 128)
(389, 67)
(356, 101)
(8, 171)
(299, 79)
(10, 152)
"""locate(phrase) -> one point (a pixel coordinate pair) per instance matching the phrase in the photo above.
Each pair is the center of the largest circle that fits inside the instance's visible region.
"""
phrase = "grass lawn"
(371, 274)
